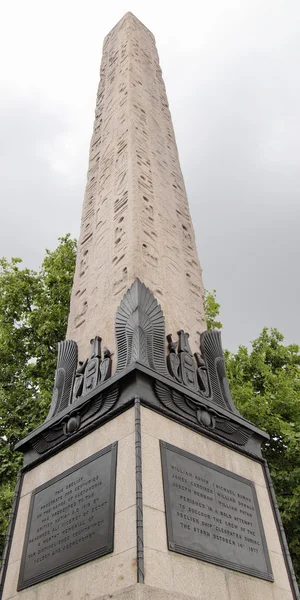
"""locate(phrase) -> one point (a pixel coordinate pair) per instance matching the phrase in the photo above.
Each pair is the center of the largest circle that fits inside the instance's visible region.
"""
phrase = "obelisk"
(135, 220)
(144, 482)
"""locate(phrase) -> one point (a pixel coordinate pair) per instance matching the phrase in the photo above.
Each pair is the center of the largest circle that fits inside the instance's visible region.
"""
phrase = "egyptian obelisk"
(135, 219)
(144, 482)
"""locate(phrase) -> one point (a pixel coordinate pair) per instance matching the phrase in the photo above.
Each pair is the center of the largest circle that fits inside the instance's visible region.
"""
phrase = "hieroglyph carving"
(203, 373)
(135, 218)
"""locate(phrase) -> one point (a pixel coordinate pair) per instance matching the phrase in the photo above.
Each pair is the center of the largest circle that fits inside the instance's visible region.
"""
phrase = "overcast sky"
(231, 69)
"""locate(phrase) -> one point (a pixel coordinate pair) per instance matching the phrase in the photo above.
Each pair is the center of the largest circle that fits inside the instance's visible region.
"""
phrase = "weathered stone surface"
(115, 570)
(167, 574)
(135, 219)
(103, 576)
(188, 576)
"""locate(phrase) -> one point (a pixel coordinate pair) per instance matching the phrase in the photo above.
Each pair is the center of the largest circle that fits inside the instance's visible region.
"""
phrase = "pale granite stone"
(98, 577)
(112, 431)
(158, 569)
(212, 580)
(117, 429)
(153, 494)
(154, 427)
(20, 528)
(152, 593)
(160, 427)
(242, 464)
(11, 580)
(125, 520)
(48, 469)
(135, 217)
(280, 594)
(125, 491)
(244, 587)
(137, 592)
(279, 571)
(146, 592)
(198, 579)
(185, 575)
(125, 530)
(268, 519)
(155, 529)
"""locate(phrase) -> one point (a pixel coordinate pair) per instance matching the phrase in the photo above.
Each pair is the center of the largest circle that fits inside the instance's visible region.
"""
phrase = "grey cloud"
(243, 186)
(38, 204)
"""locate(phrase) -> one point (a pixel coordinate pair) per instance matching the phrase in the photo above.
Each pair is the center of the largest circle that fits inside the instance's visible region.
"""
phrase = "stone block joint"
(139, 495)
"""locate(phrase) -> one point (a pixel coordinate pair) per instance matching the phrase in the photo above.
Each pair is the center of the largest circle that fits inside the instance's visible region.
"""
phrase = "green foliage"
(33, 318)
(212, 309)
(265, 385)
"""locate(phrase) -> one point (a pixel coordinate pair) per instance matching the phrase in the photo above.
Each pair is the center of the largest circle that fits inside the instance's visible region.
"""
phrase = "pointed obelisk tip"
(130, 16)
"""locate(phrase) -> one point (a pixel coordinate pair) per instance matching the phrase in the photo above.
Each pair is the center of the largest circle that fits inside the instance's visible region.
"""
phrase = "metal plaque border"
(174, 547)
(22, 583)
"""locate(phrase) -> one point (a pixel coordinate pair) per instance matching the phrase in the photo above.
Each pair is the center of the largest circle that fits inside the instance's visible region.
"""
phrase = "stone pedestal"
(111, 573)
(142, 564)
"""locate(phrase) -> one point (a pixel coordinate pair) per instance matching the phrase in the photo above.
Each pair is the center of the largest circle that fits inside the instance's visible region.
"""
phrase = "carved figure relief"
(78, 384)
(211, 349)
(204, 373)
(187, 362)
(91, 375)
(140, 329)
(173, 360)
(72, 381)
(64, 376)
(105, 365)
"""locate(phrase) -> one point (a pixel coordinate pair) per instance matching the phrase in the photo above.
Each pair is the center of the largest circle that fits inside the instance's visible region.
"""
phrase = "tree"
(212, 309)
(34, 308)
(265, 386)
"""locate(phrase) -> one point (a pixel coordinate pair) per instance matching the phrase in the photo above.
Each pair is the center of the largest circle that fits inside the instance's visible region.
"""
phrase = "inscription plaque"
(71, 519)
(213, 514)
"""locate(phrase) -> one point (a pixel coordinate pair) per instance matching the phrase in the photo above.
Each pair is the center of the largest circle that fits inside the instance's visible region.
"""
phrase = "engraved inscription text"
(213, 514)
(71, 519)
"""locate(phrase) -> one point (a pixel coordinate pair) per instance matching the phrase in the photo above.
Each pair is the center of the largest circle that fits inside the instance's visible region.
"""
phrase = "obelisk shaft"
(135, 219)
